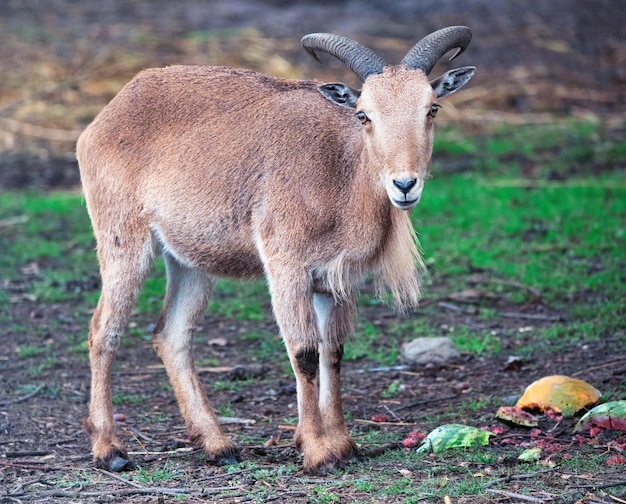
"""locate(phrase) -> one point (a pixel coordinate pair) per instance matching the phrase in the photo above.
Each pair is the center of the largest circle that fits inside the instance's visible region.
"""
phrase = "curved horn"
(425, 54)
(362, 60)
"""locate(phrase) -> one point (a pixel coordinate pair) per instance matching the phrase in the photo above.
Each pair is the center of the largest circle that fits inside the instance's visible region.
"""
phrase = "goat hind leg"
(122, 274)
(187, 295)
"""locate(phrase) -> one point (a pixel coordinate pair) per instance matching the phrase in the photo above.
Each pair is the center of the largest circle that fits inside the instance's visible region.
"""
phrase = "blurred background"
(61, 61)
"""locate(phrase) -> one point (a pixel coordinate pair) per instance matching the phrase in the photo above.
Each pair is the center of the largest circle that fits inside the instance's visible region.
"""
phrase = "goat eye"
(433, 110)
(360, 115)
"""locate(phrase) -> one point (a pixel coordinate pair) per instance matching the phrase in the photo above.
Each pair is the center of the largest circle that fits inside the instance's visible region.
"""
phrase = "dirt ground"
(561, 57)
(42, 435)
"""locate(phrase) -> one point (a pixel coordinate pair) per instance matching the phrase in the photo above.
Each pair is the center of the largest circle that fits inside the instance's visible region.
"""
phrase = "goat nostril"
(405, 185)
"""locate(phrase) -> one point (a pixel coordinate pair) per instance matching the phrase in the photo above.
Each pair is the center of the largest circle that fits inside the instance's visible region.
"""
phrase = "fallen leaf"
(449, 436)
(530, 455)
(609, 416)
(559, 393)
(272, 441)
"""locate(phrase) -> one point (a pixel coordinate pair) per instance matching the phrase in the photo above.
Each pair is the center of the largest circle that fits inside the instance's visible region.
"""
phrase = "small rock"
(430, 350)
(219, 342)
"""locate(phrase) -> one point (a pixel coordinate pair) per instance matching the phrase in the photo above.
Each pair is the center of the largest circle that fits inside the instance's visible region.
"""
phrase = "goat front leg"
(335, 322)
(292, 299)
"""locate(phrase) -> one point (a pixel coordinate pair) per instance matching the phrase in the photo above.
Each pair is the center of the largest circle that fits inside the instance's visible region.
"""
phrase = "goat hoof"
(116, 463)
(229, 460)
(228, 457)
(119, 464)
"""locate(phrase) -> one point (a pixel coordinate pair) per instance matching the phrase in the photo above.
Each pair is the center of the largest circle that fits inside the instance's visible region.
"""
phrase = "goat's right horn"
(362, 60)
(425, 54)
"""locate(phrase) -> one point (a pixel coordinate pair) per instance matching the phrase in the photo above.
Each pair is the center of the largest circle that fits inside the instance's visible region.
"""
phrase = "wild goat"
(238, 174)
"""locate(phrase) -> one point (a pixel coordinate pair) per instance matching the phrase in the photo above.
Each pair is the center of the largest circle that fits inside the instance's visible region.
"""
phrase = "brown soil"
(42, 435)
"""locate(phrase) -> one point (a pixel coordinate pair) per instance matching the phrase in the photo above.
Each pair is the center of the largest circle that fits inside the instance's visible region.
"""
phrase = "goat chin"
(235, 173)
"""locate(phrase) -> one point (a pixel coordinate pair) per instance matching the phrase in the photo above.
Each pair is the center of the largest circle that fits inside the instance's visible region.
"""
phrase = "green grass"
(543, 237)
(161, 474)
(559, 229)
(128, 399)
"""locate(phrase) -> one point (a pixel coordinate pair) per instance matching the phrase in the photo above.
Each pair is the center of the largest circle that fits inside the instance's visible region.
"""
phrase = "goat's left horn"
(425, 54)
(362, 60)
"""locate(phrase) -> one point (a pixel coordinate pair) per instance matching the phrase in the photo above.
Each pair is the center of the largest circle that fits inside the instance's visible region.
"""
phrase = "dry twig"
(520, 497)
(599, 366)
(532, 316)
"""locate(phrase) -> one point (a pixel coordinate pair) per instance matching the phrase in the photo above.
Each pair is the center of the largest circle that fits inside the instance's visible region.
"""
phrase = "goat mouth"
(406, 204)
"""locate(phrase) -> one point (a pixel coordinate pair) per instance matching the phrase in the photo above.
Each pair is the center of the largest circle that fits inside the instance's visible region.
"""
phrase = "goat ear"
(339, 93)
(452, 80)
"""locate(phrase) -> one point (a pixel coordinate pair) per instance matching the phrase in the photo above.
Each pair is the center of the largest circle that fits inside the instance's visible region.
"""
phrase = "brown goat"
(236, 174)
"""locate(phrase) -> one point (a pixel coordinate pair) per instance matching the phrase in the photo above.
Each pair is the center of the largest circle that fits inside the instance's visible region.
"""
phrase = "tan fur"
(233, 173)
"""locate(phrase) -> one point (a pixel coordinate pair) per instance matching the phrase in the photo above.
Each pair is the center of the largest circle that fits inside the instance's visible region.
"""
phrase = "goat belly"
(212, 255)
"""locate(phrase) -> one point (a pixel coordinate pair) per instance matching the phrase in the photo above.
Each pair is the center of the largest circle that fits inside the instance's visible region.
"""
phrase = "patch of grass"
(156, 417)
(75, 478)
(475, 342)
(233, 385)
(371, 344)
(325, 495)
(264, 345)
(208, 362)
(226, 410)
(37, 370)
(27, 389)
(163, 473)
(240, 300)
(80, 348)
(394, 388)
(544, 237)
(552, 150)
(562, 234)
(53, 226)
(128, 399)
(26, 351)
